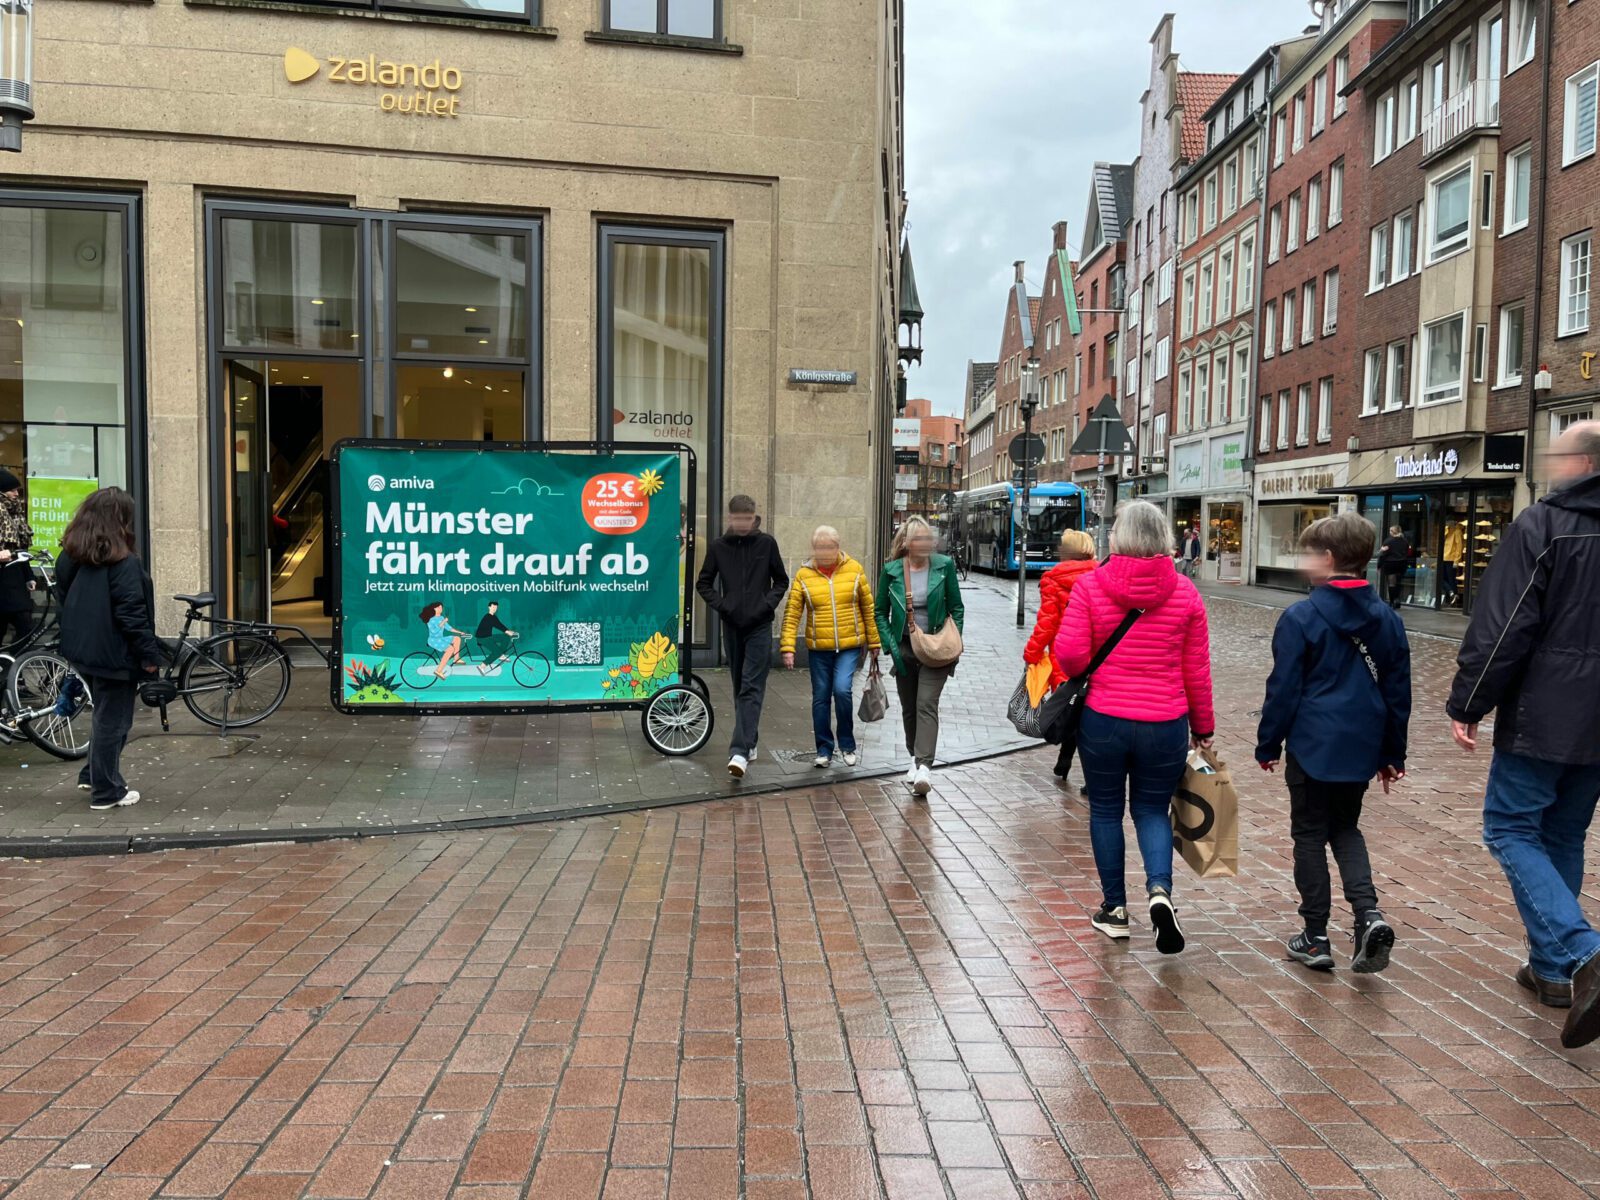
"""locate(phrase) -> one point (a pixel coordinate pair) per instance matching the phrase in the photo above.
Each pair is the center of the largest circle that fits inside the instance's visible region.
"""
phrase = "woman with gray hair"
(1147, 704)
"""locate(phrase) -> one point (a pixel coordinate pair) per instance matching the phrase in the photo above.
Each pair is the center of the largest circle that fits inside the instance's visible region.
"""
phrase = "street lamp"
(1029, 401)
(16, 70)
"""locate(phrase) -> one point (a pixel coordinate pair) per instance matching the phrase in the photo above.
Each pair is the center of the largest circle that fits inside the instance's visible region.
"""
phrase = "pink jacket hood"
(1145, 583)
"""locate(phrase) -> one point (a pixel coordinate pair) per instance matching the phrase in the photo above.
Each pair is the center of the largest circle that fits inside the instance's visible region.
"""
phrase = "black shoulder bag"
(1063, 708)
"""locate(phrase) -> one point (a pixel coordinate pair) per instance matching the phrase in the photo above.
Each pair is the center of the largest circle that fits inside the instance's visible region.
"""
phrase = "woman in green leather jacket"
(917, 585)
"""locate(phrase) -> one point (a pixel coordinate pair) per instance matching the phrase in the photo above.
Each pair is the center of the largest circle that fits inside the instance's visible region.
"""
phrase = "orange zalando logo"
(426, 80)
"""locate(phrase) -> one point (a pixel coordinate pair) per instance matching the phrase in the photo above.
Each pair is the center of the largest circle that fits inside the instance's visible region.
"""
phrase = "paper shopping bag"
(1205, 817)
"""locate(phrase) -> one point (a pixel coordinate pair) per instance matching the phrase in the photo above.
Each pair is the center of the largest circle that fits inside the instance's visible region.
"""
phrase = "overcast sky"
(1009, 103)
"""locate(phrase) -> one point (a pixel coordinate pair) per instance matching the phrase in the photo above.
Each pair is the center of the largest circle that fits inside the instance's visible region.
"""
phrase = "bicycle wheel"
(531, 669)
(677, 721)
(700, 686)
(235, 679)
(51, 703)
(417, 669)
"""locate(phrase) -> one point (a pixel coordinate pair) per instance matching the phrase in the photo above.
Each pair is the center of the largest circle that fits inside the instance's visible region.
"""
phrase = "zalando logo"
(428, 80)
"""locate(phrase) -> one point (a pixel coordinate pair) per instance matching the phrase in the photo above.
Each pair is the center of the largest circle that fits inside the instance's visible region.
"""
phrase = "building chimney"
(1061, 235)
(1022, 267)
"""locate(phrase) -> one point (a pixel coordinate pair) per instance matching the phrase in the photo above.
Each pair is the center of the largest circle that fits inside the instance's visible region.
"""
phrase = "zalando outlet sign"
(419, 89)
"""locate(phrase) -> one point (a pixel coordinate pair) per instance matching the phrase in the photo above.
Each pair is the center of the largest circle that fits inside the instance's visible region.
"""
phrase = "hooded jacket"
(1532, 652)
(107, 616)
(1161, 670)
(838, 606)
(1340, 724)
(743, 578)
(1054, 589)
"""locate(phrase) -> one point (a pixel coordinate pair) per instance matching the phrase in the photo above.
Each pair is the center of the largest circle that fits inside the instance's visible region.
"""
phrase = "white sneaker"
(737, 765)
(129, 799)
(911, 772)
(84, 787)
(923, 783)
(755, 753)
(822, 760)
(851, 758)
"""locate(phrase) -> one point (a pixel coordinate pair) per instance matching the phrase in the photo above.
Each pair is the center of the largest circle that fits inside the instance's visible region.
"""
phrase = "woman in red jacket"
(1077, 560)
(1147, 704)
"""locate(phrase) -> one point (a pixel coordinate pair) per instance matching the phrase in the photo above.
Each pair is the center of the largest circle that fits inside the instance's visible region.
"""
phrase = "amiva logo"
(377, 483)
(432, 86)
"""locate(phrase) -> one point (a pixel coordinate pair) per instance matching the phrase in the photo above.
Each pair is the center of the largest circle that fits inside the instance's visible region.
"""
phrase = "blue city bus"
(985, 526)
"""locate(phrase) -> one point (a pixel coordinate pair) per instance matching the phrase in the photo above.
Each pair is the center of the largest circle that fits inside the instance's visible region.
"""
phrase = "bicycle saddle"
(203, 600)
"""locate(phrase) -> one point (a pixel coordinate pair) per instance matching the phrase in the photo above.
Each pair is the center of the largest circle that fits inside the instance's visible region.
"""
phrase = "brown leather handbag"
(937, 649)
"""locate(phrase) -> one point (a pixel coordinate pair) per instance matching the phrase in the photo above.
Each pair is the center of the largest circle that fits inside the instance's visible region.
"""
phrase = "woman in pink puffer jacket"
(1147, 704)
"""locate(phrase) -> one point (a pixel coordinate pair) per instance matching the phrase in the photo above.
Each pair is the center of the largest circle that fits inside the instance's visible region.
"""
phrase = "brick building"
(1219, 202)
(1100, 293)
(1451, 112)
(1055, 344)
(1017, 346)
(938, 473)
(1568, 344)
(978, 457)
(1314, 258)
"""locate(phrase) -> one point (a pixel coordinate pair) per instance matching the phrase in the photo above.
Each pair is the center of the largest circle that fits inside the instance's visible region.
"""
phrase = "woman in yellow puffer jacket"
(841, 621)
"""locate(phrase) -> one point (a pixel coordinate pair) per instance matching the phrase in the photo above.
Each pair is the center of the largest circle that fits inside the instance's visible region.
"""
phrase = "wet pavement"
(309, 771)
(830, 993)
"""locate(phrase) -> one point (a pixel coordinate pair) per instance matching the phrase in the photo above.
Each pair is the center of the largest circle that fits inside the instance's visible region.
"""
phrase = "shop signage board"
(1505, 452)
(577, 546)
(429, 89)
(1227, 461)
(51, 502)
(1427, 466)
(906, 458)
(1188, 467)
(905, 481)
(907, 433)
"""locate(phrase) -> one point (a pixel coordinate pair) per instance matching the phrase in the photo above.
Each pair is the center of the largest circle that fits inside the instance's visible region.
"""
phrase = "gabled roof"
(1197, 92)
(980, 378)
(1110, 205)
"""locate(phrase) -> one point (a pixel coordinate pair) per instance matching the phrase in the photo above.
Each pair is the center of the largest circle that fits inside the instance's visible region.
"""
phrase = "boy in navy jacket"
(1340, 696)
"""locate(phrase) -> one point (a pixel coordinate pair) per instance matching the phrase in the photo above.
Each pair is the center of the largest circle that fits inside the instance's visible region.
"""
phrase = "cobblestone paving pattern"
(831, 993)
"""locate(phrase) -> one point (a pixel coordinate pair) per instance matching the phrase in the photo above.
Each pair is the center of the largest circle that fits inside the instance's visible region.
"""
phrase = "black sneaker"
(1374, 939)
(1113, 922)
(1314, 952)
(1169, 937)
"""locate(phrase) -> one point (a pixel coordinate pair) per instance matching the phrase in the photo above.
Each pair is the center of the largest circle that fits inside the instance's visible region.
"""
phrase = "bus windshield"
(1049, 517)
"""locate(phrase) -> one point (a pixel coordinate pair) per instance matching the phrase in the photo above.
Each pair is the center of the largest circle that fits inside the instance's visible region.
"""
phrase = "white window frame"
(1077, 374)
(1402, 251)
(1571, 152)
(1163, 358)
(1383, 126)
(1335, 193)
(1274, 233)
(1436, 393)
(1249, 169)
(1522, 30)
(1264, 433)
(1408, 115)
(1291, 224)
(1187, 302)
(1519, 168)
(1269, 328)
(1185, 395)
(1319, 103)
(1486, 200)
(1225, 305)
(1283, 419)
(1221, 414)
(1207, 294)
(1286, 342)
(1241, 378)
(1435, 251)
(1211, 187)
(1302, 415)
(1280, 136)
(1394, 366)
(1330, 302)
(1200, 412)
(1503, 375)
(1325, 409)
(1313, 209)
(1378, 258)
(1577, 264)
(1341, 77)
(1372, 380)
(1480, 352)
(1299, 122)
(1308, 312)
(1230, 186)
(1247, 271)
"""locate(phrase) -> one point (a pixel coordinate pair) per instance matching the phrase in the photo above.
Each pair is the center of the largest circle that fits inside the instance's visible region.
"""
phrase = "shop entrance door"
(284, 416)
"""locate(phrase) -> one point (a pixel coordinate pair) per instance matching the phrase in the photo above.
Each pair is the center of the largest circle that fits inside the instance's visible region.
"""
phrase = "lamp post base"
(11, 131)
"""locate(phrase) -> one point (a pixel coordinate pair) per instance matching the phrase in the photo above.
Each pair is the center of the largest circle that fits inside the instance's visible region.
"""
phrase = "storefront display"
(1225, 540)
(1453, 533)
(1278, 530)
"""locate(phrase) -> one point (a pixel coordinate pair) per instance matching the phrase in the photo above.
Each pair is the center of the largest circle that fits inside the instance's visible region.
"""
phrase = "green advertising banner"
(503, 577)
(51, 503)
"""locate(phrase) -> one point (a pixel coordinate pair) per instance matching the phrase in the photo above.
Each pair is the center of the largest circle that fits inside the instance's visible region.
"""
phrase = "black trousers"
(113, 718)
(749, 660)
(1393, 583)
(15, 624)
(1323, 815)
(1064, 755)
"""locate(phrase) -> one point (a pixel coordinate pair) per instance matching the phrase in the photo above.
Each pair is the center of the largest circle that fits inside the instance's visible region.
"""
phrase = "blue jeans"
(1535, 819)
(831, 675)
(1135, 765)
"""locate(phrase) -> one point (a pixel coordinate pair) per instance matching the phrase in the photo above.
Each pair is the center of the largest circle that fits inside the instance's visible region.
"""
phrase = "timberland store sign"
(415, 89)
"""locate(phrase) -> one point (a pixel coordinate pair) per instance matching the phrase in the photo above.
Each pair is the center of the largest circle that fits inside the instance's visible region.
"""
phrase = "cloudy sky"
(1009, 103)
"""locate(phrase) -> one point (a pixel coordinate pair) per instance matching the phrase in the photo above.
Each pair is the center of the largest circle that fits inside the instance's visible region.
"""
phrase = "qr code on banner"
(578, 643)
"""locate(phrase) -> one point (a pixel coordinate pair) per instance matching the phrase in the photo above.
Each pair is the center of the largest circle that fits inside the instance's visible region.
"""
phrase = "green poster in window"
(504, 577)
(51, 502)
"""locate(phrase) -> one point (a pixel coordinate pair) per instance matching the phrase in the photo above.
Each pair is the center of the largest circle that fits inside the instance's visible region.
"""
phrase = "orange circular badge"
(615, 504)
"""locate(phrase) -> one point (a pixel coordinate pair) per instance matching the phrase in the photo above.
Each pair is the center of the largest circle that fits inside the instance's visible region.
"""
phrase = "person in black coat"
(743, 581)
(16, 578)
(1531, 655)
(1394, 560)
(107, 632)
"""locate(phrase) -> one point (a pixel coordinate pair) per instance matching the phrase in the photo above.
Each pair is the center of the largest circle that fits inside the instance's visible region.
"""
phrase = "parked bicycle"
(45, 700)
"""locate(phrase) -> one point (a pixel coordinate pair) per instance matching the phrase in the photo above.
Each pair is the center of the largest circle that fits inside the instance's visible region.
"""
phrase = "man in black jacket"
(1394, 560)
(1532, 655)
(743, 580)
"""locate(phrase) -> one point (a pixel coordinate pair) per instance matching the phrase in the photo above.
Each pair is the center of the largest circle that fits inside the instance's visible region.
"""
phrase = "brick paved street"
(848, 993)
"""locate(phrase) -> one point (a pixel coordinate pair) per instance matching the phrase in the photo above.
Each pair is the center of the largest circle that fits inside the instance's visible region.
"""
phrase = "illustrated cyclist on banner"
(494, 639)
(442, 637)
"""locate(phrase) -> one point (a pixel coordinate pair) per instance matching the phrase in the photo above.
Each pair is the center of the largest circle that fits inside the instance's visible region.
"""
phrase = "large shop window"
(330, 324)
(1278, 530)
(68, 351)
(661, 356)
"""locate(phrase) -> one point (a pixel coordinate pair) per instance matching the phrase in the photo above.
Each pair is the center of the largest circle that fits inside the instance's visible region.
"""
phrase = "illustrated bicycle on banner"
(517, 578)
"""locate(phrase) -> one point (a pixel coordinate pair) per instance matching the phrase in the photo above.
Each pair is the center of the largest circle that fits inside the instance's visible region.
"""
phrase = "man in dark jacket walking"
(743, 580)
(1532, 656)
(1394, 560)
